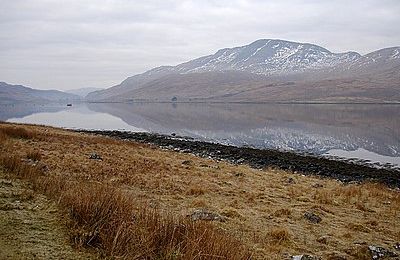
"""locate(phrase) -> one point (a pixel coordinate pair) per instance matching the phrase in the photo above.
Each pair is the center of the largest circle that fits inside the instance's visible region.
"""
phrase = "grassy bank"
(132, 201)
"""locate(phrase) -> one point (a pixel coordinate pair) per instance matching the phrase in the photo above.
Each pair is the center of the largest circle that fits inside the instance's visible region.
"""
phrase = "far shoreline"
(243, 102)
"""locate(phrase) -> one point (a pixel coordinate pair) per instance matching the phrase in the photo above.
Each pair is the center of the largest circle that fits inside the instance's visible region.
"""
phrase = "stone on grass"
(380, 252)
(187, 162)
(317, 185)
(323, 239)
(313, 218)
(304, 257)
(291, 181)
(95, 156)
(203, 214)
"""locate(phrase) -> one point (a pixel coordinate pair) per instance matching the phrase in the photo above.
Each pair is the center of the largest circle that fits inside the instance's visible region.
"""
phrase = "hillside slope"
(18, 93)
(268, 70)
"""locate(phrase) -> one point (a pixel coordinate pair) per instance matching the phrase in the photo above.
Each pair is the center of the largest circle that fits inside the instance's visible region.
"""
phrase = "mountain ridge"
(82, 92)
(18, 93)
(262, 57)
(279, 61)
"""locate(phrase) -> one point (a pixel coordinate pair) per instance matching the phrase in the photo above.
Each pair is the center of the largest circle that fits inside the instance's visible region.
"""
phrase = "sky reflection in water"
(370, 132)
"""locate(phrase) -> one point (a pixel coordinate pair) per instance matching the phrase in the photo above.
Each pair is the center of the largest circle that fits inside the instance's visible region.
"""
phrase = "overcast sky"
(91, 43)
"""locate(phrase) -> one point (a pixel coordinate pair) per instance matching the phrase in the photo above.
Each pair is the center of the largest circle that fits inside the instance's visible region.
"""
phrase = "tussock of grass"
(360, 197)
(279, 235)
(196, 191)
(3, 137)
(17, 132)
(198, 203)
(231, 213)
(18, 168)
(358, 227)
(324, 197)
(34, 155)
(282, 212)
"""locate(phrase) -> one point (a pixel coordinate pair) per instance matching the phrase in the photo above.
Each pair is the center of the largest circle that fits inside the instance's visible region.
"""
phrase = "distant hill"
(82, 92)
(18, 93)
(266, 71)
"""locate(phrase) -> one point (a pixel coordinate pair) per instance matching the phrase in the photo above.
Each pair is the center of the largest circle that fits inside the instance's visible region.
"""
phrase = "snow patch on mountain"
(269, 57)
(273, 58)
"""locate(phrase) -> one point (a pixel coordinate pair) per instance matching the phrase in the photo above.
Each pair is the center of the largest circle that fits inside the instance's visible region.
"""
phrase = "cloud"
(82, 43)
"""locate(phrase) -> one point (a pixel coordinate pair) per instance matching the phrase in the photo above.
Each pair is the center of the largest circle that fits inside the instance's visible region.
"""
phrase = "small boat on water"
(69, 105)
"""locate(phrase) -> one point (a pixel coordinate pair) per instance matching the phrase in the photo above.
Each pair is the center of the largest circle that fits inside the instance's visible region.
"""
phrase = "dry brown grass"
(15, 165)
(358, 227)
(196, 190)
(115, 222)
(279, 235)
(324, 197)
(361, 253)
(34, 155)
(3, 137)
(17, 132)
(282, 212)
(232, 213)
(258, 203)
(105, 217)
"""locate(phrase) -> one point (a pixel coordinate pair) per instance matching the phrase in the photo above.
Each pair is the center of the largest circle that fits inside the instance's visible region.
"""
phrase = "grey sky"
(90, 43)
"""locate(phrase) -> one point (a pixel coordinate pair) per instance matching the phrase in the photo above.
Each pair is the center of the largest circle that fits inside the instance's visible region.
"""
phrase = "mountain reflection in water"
(317, 129)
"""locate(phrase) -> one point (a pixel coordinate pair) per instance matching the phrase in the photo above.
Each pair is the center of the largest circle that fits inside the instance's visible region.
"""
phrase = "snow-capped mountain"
(376, 58)
(276, 63)
(269, 57)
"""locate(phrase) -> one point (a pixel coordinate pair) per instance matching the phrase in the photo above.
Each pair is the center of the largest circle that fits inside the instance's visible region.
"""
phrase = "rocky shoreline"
(345, 171)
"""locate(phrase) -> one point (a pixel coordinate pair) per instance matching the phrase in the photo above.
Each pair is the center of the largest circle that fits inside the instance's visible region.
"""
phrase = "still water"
(367, 132)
